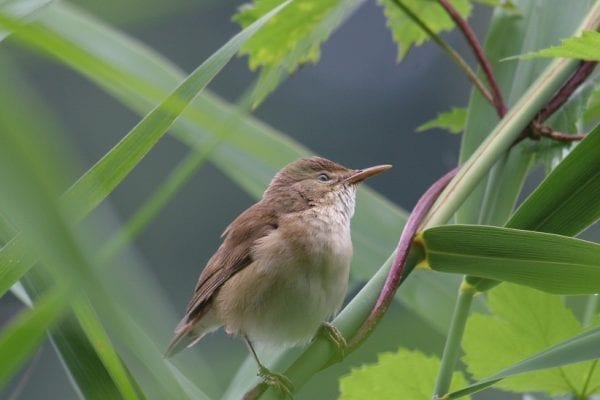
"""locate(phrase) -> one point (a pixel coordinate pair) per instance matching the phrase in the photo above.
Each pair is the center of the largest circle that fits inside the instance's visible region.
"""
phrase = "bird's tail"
(187, 334)
(182, 339)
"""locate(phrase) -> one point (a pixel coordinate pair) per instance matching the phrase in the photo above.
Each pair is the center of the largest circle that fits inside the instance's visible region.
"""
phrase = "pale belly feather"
(296, 282)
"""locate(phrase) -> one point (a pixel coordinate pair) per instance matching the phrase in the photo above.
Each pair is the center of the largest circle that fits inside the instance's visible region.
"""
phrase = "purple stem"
(396, 273)
(584, 70)
(486, 66)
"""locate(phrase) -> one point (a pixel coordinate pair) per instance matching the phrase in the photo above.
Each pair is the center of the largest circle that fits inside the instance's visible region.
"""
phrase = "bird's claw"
(335, 337)
(276, 381)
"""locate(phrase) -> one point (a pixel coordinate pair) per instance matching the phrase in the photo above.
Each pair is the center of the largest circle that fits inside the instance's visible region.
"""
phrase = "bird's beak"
(361, 174)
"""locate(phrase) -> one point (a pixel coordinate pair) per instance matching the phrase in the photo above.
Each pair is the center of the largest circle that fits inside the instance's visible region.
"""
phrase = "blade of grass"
(544, 261)
(107, 173)
(20, 338)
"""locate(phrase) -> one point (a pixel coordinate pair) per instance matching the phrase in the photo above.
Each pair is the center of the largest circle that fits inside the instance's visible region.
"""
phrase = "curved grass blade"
(22, 10)
(565, 202)
(583, 347)
(22, 336)
(548, 262)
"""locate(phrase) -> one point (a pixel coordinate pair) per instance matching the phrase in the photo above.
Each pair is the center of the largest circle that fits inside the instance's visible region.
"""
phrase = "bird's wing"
(233, 255)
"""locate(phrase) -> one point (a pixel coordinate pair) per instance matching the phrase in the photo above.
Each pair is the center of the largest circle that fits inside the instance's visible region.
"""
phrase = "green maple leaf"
(407, 33)
(285, 33)
(406, 374)
(453, 121)
(524, 322)
(584, 47)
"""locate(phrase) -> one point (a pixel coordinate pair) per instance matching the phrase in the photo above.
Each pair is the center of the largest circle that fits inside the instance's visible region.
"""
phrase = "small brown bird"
(283, 267)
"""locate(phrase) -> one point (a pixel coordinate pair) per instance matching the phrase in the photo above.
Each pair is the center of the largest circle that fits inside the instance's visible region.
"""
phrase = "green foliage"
(407, 33)
(553, 263)
(524, 322)
(406, 374)
(285, 33)
(585, 47)
(109, 354)
(453, 121)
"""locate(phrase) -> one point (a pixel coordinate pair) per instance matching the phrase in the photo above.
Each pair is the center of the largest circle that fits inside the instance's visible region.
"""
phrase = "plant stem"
(397, 269)
(455, 334)
(453, 54)
(486, 66)
(584, 70)
(501, 139)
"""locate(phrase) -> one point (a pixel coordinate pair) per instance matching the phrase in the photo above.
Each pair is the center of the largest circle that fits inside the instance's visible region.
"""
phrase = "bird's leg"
(278, 381)
(335, 337)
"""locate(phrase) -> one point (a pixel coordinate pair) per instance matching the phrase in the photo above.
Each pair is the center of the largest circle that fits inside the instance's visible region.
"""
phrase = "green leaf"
(583, 347)
(407, 33)
(413, 369)
(548, 262)
(585, 47)
(453, 121)
(291, 39)
(526, 322)
(285, 33)
(566, 202)
(21, 337)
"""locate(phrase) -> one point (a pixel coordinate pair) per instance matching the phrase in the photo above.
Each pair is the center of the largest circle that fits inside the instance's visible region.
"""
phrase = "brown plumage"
(283, 265)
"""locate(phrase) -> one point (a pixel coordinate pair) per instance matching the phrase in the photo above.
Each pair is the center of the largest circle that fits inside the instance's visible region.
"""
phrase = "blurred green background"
(357, 106)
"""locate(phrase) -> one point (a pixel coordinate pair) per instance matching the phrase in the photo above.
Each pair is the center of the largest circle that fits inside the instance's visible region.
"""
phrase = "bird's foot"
(276, 381)
(335, 337)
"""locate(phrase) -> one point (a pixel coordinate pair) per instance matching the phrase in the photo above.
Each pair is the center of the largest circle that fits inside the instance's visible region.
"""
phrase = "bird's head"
(317, 181)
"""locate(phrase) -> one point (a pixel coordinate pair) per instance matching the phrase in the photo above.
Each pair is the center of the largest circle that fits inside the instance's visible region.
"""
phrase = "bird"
(282, 269)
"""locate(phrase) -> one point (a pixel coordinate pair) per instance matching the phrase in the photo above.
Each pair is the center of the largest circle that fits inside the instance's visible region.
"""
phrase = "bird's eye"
(323, 177)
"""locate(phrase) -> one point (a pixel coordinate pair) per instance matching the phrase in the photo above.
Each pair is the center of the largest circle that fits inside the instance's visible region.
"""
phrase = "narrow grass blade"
(22, 10)
(98, 337)
(548, 262)
(20, 338)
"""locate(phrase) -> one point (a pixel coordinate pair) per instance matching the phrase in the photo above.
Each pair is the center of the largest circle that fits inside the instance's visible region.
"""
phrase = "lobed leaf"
(585, 47)
(407, 33)
(405, 374)
(527, 322)
(453, 121)
(285, 33)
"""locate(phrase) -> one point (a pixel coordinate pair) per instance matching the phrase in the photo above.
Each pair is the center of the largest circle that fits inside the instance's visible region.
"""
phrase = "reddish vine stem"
(396, 274)
(453, 54)
(584, 70)
(537, 129)
(486, 66)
